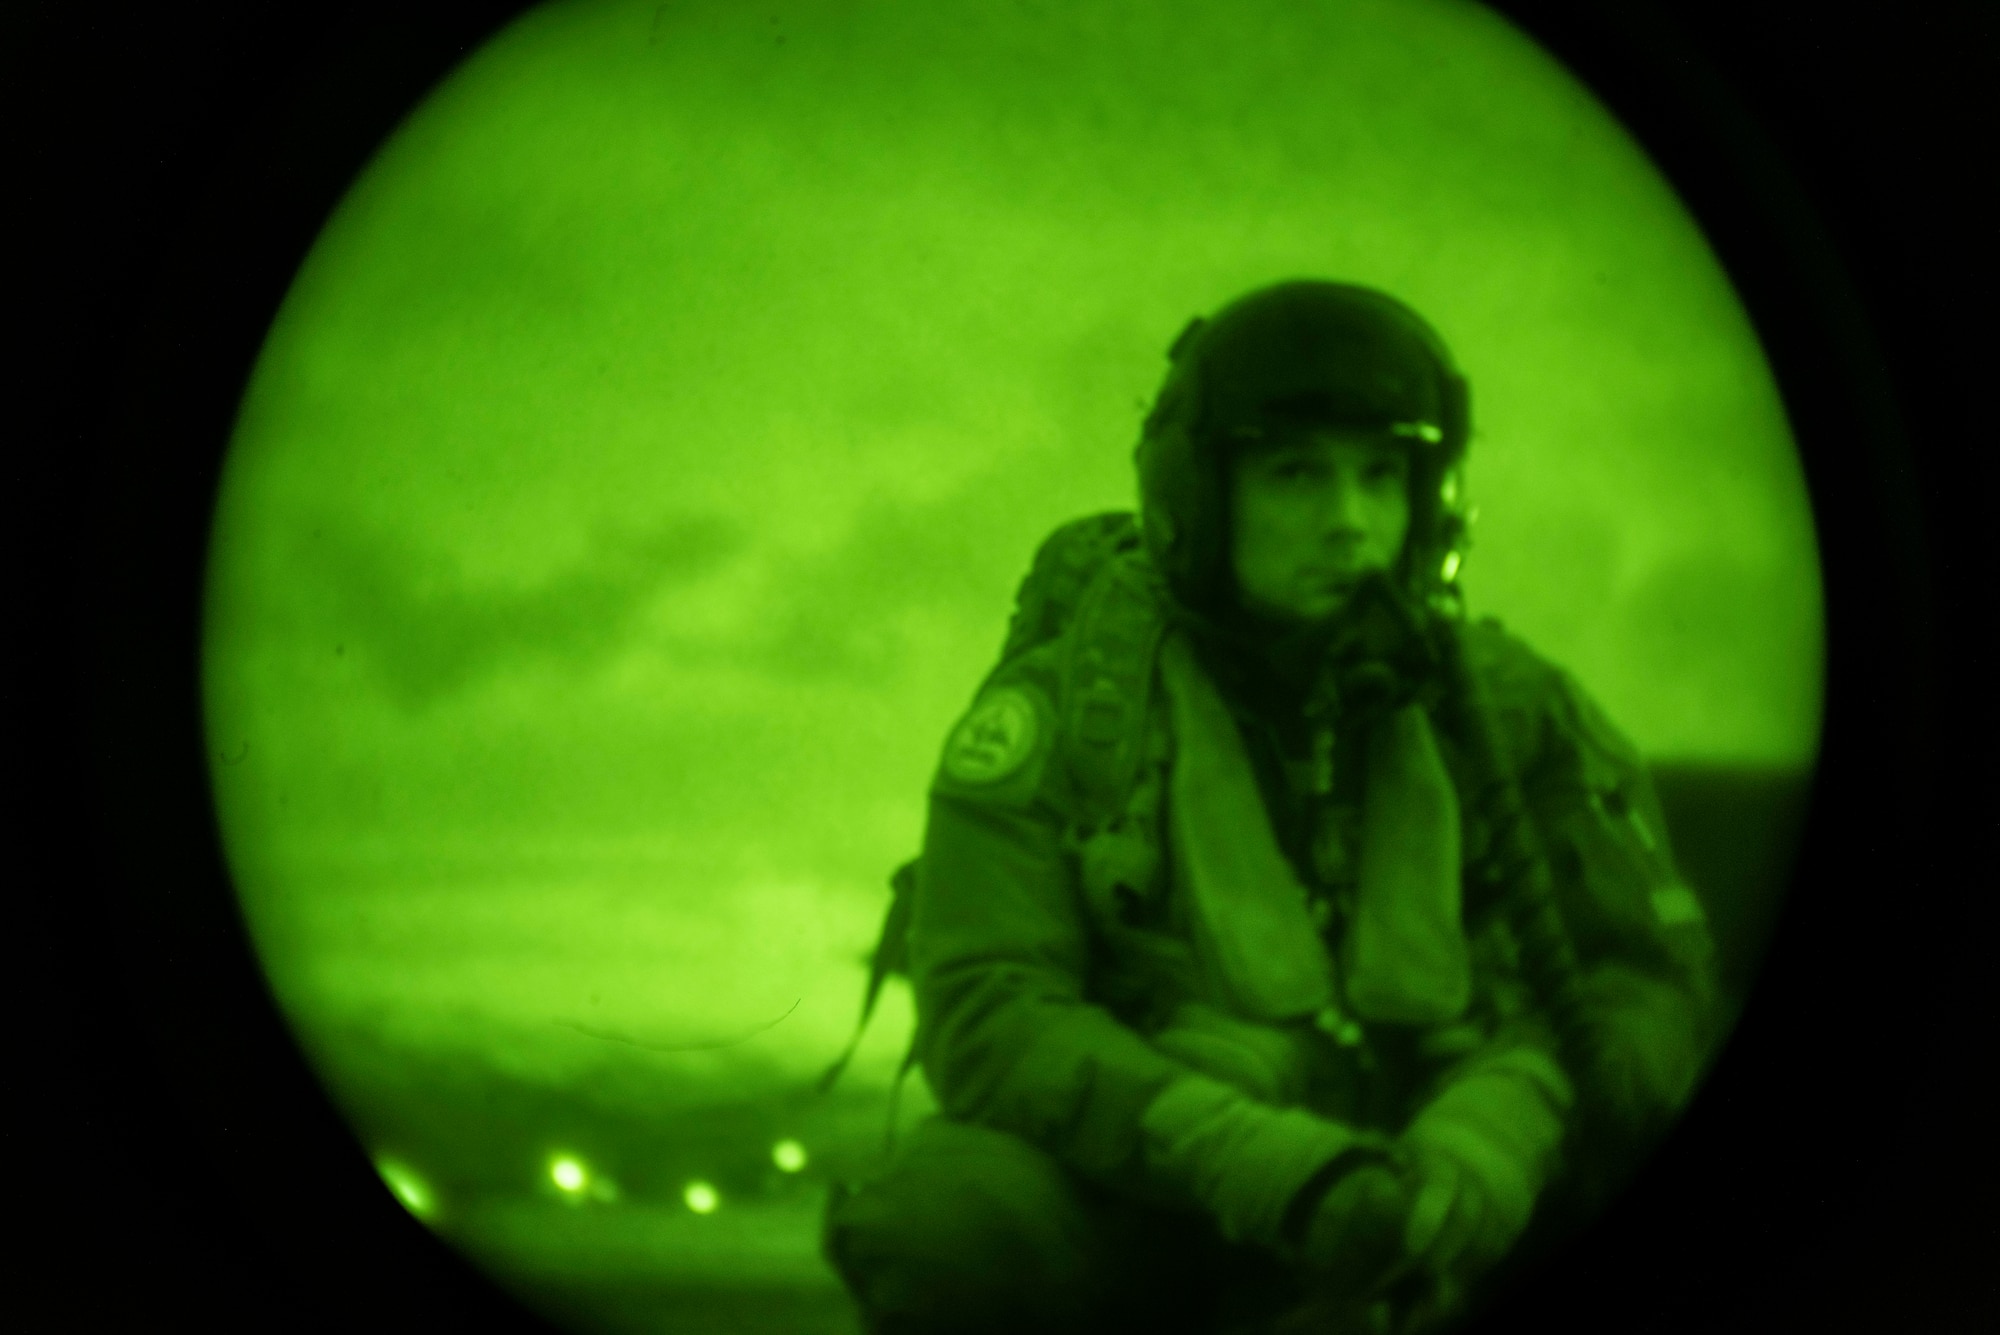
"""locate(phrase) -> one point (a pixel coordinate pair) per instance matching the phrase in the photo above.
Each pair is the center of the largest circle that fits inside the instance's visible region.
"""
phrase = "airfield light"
(701, 1197)
(567, 1172)
(789, 1155)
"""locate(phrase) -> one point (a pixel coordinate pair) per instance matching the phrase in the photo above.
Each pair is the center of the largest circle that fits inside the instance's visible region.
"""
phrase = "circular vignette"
(1812, 264)
(249, 230)
(285, 1220)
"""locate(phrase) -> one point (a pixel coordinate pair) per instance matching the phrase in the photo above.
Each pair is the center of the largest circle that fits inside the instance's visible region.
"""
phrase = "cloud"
(846, 613)
(404, 611)
(424, 632)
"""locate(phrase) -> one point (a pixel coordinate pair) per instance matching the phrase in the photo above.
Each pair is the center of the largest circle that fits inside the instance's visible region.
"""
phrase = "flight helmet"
(1304, 352)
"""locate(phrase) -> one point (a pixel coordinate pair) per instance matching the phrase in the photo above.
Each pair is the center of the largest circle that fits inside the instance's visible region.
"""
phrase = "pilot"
(1289, 952)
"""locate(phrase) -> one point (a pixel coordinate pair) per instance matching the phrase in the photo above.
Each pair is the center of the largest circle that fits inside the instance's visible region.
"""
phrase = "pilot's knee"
(969, 1230)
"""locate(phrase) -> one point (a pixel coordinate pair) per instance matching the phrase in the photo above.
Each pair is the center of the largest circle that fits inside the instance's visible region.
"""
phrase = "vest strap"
(1108, 683)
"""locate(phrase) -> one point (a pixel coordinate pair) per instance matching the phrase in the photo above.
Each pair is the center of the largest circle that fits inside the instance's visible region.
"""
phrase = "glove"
(1352, 1239)
(1349, 1248)
(1482, 1151)
(1243, 1161)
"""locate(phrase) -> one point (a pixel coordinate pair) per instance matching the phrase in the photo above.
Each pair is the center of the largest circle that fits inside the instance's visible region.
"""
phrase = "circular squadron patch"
(994, 739)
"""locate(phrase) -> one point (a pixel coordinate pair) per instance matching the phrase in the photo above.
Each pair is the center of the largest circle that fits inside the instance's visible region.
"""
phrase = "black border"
(181, 164)
(1826, 1176)
(207, 1182)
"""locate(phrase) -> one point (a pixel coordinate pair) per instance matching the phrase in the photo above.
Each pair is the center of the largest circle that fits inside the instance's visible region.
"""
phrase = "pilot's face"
(1314, 512)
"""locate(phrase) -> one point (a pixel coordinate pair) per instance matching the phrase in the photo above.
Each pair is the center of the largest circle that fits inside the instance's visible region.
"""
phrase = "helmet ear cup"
(1438, 528)
(1165, 458)
(1183, 509)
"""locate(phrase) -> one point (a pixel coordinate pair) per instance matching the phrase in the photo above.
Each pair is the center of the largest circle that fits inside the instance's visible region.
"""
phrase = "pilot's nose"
(1342, 515)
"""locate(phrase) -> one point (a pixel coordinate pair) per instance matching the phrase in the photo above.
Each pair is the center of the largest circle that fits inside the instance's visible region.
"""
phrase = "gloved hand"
(1347, 1243)
(1481, 1153)
(1244, 1161)
(1352, 1239)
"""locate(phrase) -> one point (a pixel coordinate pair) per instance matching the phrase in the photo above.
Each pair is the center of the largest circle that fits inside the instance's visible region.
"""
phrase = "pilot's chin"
(1330, 604)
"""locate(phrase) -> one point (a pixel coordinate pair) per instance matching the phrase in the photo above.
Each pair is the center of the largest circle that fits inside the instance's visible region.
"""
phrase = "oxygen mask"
(1382, 655)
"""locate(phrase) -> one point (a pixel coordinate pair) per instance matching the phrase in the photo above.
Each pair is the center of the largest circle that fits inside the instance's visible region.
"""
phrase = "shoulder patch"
(995, 738)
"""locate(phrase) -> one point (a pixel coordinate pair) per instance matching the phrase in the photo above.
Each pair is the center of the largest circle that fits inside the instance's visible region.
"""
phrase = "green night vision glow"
(633, 487)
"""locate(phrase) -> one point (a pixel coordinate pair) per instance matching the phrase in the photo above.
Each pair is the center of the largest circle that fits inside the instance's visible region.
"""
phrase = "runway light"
(789, 1155)
(407, 1187)
(568, 1173)
(701, 1197)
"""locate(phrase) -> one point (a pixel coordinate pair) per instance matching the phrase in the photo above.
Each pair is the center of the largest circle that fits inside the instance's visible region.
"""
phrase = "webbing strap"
(890, 949)
(896, 1097)
(1108, 682)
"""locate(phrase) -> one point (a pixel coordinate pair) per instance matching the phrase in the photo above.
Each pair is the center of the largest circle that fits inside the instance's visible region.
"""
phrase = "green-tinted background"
(634, 484)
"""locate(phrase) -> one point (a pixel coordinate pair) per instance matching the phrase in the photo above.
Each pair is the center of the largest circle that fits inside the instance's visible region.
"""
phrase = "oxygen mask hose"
(1520, 864)
(1382, 656)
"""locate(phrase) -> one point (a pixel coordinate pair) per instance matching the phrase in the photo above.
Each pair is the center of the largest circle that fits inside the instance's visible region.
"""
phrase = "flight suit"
(1065, 1001)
